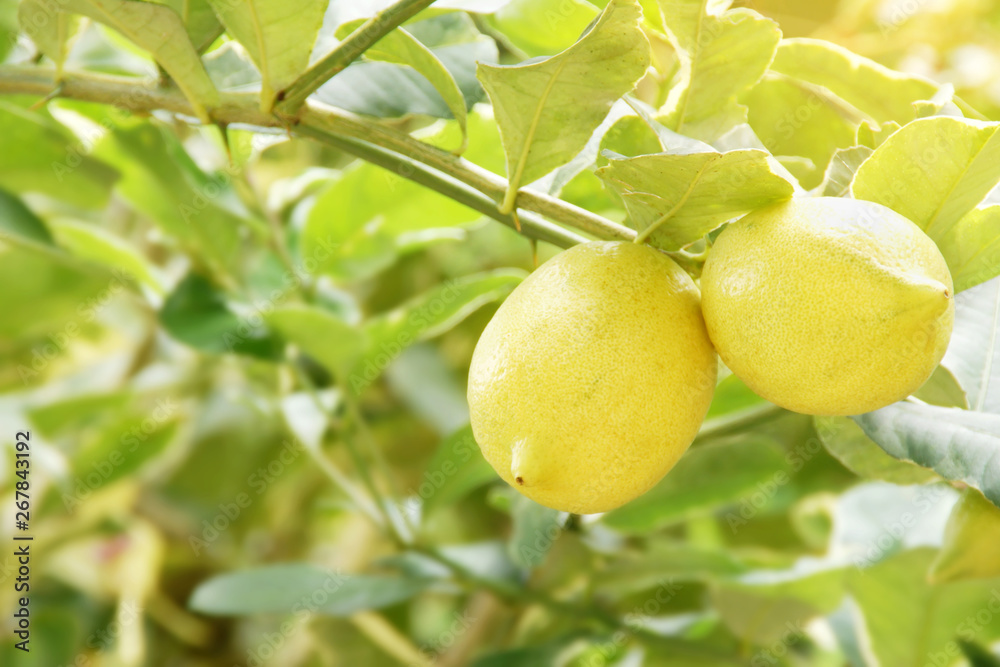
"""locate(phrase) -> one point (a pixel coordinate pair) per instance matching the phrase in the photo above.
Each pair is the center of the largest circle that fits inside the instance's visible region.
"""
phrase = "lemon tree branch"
(348, 51)
(454, 177)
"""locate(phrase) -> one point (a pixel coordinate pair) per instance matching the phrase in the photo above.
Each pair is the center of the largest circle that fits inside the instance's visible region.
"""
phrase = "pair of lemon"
(597, 372)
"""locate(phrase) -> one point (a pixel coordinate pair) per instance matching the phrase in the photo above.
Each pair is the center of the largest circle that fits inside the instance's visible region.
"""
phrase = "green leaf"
(19, 221)
(402, 48)
(57, 625)
(326, 338)
(37, 154)
(485, 147)
(817, 96)
(635, 572)
(841, 169)
(957, 444)
(97, 245)
(456, 469)
(160, 180)
(485, 560)
(873, 135)
(55, 293)
(365, 193)
(77, 413)
(344, 11)
(912, 622)
(279, 37)
(157, 29)
(942, 103)
(231, 70)
(388, 90)
(972, 247)
(535, 530)
(426, 316)
(874, 520)
(974, 352)
(548, 110)
(434, 27)
(942, 389)
(424, 381)
(971, 548)
(124, 446)
(353, 227)
(732, 395)
(197, 314)
(629, 136)
(878, 92)
(675, 199)
(721, 56)
(288, 588)
(203, 26)
(760, 606)
(412, 242)
(707, 478)
(933, 171)
(977, 655)
(53, 34)
(8, 41)
(848, 443)
(542, 27)
(799, 121)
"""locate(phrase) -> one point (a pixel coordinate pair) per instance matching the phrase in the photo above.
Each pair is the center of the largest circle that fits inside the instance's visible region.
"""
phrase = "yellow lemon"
(828, 306)
(593, 377)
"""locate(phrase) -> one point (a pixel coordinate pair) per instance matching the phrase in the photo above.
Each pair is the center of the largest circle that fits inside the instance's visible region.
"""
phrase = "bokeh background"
(174, 440)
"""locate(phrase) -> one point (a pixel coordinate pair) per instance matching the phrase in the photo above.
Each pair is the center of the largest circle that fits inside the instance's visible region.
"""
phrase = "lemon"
(828, 306)
(593, 377)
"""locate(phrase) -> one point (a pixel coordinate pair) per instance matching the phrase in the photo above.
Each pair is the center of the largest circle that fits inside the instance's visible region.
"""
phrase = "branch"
(346, 123)
(348, 51)
(531, 226)
(455, 177)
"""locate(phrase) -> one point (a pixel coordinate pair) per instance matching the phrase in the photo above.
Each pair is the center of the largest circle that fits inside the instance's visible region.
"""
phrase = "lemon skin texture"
(593, 377)
(828, 306)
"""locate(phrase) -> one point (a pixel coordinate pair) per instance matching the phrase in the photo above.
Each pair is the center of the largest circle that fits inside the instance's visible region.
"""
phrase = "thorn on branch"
(56, 92)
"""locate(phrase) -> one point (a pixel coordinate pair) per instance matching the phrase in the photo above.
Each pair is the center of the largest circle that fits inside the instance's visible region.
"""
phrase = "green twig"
(349, 50)
(360, 427)
(374, 510)
(345, 123)
(326, 124)
(531, 226)
(583, 612)
(739, 420)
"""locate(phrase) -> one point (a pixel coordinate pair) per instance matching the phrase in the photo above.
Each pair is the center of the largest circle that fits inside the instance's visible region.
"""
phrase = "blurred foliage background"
(177, 439)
